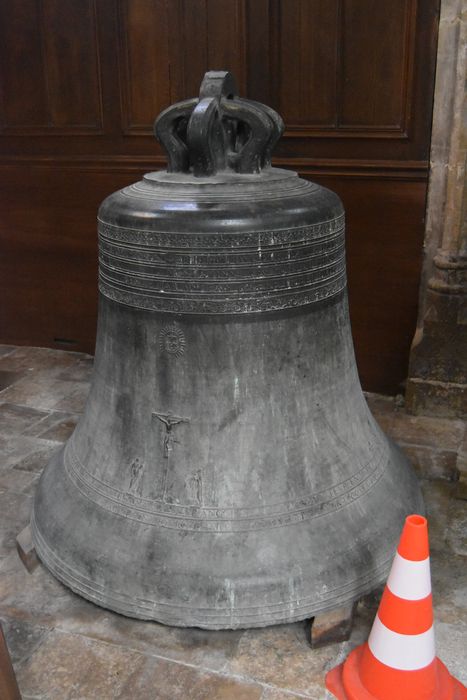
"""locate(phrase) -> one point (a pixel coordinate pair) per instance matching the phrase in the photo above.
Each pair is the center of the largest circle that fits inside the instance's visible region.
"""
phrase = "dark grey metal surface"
(227, 471)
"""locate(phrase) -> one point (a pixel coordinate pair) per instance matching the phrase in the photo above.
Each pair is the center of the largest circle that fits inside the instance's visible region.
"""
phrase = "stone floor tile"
(463, 446)
(28, 358)
(450, 639)
(21, 482)
(39, 597)
(36, 460)
(22, 637)
(81, 371)
(70, 666)
(210, 649)
(75, 400)
(30, 489)
(275, 694)
(461, 487)
(52, 419)
(43, 392)
(15, 419)
(7, 349)
(449, 590)
(432, 463)
(8, 378)
(462, 458)
(26, 453)
(437, 496)
(164, 680)
(61, 431)
(385, 422)
(4, 441)
(280, 656)
(456, 532)
(442, 434)
(73, 667)
(380, 405)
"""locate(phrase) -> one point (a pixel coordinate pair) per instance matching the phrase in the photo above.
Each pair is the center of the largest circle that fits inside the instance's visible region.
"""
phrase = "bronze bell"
(227, 471)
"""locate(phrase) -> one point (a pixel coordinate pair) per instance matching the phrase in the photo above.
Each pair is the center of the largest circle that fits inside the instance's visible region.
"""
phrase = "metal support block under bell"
(331, 627)
(26, 550)
(227, 471)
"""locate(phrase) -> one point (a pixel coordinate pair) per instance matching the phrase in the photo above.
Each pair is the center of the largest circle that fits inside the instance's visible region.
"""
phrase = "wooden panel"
(208, 35)
(263, 30)
(144, 61)
(24, 92)
(226, 33)
(307, 62)
(49, 54)
(377, 50)
(49, 264)
(167, 48)
(384, 238)
(345, 65)
(70, 47)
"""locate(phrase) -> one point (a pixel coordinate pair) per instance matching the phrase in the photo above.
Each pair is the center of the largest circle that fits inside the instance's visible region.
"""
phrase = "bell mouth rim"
(181, 614)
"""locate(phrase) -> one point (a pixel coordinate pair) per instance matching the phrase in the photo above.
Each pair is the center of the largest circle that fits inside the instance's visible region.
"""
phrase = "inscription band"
(222, 273)
(192, 518)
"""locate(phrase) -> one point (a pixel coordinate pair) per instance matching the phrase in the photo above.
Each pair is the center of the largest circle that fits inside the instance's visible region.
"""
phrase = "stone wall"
(437, 383)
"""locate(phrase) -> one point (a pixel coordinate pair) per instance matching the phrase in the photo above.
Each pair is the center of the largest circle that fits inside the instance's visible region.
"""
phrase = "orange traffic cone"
(399, 660)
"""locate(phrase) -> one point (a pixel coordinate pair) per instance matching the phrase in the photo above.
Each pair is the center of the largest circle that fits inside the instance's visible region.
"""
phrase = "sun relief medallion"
(172, 340)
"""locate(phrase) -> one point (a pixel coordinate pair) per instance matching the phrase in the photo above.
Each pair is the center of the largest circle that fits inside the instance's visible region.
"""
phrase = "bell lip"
(177, 616)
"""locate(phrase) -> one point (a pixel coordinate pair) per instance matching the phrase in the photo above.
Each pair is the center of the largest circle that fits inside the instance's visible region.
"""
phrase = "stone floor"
(64, 648)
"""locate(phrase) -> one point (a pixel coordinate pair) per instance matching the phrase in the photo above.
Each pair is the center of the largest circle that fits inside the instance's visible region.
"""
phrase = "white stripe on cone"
(404, 652)
(410, 580)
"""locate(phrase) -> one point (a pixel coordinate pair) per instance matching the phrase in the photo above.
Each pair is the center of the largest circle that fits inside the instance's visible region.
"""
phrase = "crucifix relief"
(170, 421)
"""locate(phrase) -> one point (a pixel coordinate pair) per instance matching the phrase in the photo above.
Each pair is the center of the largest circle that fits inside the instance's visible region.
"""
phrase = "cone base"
(344, 682)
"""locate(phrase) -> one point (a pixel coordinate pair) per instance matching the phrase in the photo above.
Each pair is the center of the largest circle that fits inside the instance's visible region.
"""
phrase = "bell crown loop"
(218, 131)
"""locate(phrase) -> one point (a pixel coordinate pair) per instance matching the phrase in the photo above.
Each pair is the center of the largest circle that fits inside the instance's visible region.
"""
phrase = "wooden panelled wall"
(83, 81)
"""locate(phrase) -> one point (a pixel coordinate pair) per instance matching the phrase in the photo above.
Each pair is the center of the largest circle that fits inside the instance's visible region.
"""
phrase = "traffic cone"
(399, 660)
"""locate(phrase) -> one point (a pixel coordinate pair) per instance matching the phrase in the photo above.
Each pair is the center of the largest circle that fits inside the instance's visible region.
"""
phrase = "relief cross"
(170, 421)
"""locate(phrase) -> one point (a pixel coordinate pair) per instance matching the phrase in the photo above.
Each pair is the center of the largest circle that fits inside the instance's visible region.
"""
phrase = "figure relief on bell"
(136, 475)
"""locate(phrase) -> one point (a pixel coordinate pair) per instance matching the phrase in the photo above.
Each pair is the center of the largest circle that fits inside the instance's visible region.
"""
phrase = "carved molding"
(306, 167)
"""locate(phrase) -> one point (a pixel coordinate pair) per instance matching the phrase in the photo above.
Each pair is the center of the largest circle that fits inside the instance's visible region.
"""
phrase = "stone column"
(437, 383)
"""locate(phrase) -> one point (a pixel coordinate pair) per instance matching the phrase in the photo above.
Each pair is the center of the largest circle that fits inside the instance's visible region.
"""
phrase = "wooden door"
(83, 81)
